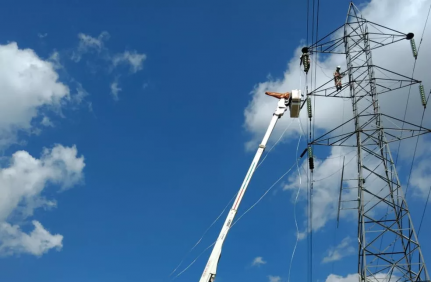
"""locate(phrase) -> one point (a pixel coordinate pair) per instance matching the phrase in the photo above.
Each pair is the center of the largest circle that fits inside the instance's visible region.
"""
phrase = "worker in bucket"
(337, 78)
(278, 95)
(305, 59)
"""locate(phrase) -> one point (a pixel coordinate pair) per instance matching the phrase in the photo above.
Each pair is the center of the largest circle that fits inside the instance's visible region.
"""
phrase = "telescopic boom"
(211, 266)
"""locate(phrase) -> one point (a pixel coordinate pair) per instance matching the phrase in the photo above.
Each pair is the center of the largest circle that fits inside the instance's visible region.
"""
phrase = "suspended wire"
(313, 131)
(206, 231)
(266, 192)
(423, 113)
(326, 177)
(423, 32)
(310, 179)
(410, 87)
(281, 136)
(405, 112)
(411, 168)
(212, 224)
(185, 269)
(323, 71)
(423, 213)
(296, 163)
(364, 158)
(294, 205)
(414, 152)
(308, 13)
(308, 141)
(336, 157)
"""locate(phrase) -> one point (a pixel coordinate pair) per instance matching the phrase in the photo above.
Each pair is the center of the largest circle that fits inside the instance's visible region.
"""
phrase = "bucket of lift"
(295, 103)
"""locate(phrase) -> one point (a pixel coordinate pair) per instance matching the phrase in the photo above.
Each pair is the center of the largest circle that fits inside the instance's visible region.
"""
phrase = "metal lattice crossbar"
(388, 248)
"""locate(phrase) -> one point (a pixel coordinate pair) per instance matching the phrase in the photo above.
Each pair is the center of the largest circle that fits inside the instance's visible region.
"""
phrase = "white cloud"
(274, 278)
(337, 278)
(24, 180)
(340, 251)
(134, 59)
(30, 86)
(88, 43)
(421, 178)
(327, 173)
(81, 93)
(42, 35)
(54, 58)
(38, 242)
(258, 261)
(27, 85)
(331, 112)
(47, 122)
(115, 90)
(379, 277)
(21, 192)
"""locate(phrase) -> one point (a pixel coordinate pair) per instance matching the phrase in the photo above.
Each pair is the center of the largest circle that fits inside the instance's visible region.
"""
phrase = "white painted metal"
(211, 267)
(295, 103)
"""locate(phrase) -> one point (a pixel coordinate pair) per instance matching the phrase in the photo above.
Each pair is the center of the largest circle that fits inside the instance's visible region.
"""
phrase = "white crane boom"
(211, 266)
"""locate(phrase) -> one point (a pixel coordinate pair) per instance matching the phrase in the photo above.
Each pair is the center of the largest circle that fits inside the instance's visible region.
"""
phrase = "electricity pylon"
(388, 247)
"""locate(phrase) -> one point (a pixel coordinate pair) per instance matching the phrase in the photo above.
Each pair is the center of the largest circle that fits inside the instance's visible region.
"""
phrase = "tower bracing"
(388, 247)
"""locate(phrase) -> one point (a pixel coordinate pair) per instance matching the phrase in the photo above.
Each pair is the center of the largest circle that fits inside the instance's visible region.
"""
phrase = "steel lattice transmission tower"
(388, 247)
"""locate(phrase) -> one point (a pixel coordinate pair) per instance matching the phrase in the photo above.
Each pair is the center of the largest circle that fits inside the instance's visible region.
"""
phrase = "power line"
(414, 152)
(296, 201)
(410, 87)
(423, 32)
(423, 213)
(308, 168)
(212, 224)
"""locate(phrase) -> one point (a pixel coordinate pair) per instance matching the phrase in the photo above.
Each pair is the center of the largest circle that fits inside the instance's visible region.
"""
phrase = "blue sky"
(165, 157)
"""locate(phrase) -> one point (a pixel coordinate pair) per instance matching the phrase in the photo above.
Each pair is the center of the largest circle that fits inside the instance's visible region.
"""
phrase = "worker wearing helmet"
(337, 78)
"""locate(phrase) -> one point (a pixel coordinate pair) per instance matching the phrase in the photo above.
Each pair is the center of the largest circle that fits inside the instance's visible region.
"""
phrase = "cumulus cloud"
(24, 180)
(115, 90)
(258, 261)
(38, 242)
(274, 278)
(421, 178)
(29, 84)
(134, 59)
(337, 278)
(380, 277)
(87, 44)
(96, 45)
(331, 112)
(327, 173)
(46, 122)
(31, 87)
(340, 251)
(81, 93)
(54, 58)
(21, 192)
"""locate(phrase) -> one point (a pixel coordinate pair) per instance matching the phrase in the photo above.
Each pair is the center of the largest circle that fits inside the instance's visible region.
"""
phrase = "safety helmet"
(338, 67)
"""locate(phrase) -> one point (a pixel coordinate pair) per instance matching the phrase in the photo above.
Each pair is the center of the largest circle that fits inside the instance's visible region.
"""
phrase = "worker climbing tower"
(388, 247)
